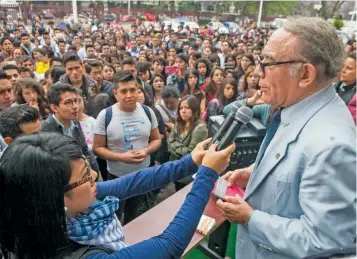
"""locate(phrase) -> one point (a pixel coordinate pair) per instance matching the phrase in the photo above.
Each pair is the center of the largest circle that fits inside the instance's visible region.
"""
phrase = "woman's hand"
(218, 160)
(34, 104)
(200, 151)
(255, 99)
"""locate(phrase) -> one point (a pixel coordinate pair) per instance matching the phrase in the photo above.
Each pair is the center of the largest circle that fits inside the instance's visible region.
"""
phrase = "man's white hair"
(319, 45)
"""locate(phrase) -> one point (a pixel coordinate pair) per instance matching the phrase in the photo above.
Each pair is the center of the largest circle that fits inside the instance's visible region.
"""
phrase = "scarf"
(99, 226)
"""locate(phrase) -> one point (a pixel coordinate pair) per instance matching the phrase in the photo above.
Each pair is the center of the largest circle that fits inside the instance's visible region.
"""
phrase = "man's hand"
(218, 160)
(200, 151)
(132, 157)
(138, 154)
(239, 177)
(235, 209)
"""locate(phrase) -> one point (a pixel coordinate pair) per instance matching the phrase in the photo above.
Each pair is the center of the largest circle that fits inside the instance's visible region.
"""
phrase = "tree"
(338, 23)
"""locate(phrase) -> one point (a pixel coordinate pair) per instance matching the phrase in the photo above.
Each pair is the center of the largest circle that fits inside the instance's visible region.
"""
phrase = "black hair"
(55, 59)
(55, 91)
(96, 104)
(90, 64)
(33, 220)
(89, 46)
(220, 95)
(71, 56)
(6, 38)
(207, 63)
(142, 67)
(3, 75)
(24, 35)
(56, 73)
(13, 117)
(170, 91)
(215, 58)
(187, 75)
(11, 66)
(123, 77)
(183, 57)
(128, 61)
(159, 60)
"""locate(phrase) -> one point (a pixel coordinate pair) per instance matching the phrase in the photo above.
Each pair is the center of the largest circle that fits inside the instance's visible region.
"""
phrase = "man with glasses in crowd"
(64, 104)
(301, 191)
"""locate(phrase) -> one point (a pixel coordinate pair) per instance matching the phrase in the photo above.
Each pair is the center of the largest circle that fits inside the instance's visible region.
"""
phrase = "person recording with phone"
(178, 79)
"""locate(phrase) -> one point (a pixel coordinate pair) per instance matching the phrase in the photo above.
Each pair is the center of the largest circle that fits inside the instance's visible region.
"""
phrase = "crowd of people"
(139, 101)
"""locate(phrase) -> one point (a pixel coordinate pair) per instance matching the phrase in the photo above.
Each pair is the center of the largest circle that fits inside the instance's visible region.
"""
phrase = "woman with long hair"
(164, 46)
(226, 94)
(28, 90)
(250, 84)
(216, 77)
(188, 131)
(192, 87)
(203, 66)
(246, 61)
(49, 218)
(162, 53)
(157, 82)
(108, 72)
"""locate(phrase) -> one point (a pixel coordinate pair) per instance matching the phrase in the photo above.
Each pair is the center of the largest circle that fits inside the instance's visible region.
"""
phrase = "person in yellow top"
(42, 57)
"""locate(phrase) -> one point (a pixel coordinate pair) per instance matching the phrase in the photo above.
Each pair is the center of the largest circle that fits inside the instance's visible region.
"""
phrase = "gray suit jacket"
(304, 189)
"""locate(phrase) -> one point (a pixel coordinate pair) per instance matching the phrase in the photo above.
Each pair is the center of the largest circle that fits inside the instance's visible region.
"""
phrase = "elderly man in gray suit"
(301, 191)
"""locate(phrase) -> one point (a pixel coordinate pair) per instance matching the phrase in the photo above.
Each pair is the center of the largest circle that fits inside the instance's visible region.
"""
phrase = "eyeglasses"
(268, 64)
(86, 178)
(70, 102)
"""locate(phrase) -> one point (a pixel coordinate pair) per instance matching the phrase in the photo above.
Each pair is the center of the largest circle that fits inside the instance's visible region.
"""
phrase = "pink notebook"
(232, 191)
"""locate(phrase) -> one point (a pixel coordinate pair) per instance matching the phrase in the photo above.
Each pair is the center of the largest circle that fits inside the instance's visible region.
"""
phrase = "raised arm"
(147, 179)
(174, 240)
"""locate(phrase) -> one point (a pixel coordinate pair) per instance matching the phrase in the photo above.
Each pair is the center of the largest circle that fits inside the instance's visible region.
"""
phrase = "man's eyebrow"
(267, 55)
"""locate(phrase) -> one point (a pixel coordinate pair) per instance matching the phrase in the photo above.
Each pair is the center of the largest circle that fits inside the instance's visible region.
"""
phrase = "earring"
(65, 208)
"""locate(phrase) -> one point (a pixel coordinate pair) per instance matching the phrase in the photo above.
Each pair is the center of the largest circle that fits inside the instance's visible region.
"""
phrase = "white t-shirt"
(126, 131)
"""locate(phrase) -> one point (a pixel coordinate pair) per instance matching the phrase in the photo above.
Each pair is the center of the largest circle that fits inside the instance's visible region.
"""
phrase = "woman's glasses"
(86, 178)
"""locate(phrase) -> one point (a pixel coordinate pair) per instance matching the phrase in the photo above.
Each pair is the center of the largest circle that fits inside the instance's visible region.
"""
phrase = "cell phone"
(169, 70)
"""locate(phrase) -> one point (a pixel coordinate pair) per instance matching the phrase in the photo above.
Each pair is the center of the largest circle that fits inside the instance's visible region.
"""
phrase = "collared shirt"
(28, 49)
(288, 114)
(66, 131)
(134, 53)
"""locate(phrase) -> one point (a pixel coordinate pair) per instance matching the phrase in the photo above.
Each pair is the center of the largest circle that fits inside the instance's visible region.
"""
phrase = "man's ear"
(308, 76)
(8, 140)
(54, 108)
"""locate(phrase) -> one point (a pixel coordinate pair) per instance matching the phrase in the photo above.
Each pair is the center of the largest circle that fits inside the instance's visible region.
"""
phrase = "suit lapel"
(270, 160)
(277, 152)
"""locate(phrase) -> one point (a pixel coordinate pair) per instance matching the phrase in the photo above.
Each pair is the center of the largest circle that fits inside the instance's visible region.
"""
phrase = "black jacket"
(89, 86)
(50, 125)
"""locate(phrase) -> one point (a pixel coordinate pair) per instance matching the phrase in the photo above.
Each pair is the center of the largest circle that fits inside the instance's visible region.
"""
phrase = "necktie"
(275, 122)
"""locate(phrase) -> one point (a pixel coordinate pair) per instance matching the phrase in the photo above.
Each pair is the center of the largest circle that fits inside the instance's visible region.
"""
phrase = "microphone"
(243, 116)
(226, 123)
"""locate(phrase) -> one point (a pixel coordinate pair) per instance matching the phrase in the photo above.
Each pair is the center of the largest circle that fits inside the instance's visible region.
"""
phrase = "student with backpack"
(125, 135)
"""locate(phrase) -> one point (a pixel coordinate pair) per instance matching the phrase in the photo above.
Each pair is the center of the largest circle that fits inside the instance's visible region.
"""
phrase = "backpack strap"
(147, 111)
(167, 113)
(107, 119)
(108, 116)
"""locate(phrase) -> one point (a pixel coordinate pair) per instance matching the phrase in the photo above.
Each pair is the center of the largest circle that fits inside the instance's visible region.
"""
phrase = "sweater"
(260, 111)
(174, 240)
